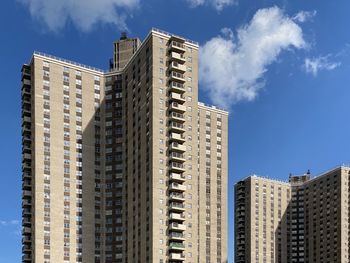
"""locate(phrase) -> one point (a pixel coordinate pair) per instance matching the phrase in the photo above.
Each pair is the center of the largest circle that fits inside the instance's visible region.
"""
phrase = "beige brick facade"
(305, 220)
(123, 165)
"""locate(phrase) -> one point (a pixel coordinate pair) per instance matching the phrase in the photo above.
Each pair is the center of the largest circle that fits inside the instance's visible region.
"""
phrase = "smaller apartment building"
(303, 220)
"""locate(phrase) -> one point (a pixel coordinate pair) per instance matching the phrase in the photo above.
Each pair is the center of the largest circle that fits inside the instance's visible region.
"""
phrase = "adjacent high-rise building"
(303, 220)
(123, 165)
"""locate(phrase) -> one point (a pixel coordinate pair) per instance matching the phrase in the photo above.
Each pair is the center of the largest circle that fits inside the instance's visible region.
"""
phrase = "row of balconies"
(176, 151)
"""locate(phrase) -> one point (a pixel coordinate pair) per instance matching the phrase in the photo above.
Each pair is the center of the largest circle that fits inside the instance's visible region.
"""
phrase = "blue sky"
(288, 102)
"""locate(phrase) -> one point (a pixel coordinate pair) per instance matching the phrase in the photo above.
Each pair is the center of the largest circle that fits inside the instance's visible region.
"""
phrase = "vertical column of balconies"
(240, 223)
(176, 150)
(26, 166)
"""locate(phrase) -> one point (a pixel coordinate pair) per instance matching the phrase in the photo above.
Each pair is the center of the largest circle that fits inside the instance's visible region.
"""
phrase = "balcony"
(27, 258)
(26, 221)
(26, 183)
(26, 203)
(26, 230)
(26, 119)
(26, 82)
(177, 127)
(176, 216)
(177, 246)
(177, 137)
(26, 129)
(177, 97)
(175, 76)
(177, 87)
(176, 207)
(176, 236)
(177, 147)
(177, 167)
(26, 248)
(177, 187)
(25, 91)
(26, 239)
(175, 116)
(175, 66)
(27, 194)
(177, 57)
(177, 227)
(27, 156)
(177, 46)
(177, 177)
(26, 166)
(178, 157)
(174, 106)
(177, 197)
(177, 256)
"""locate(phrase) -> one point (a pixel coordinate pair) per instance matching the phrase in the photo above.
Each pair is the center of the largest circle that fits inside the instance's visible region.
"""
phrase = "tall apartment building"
(123, 165)
(311, 223)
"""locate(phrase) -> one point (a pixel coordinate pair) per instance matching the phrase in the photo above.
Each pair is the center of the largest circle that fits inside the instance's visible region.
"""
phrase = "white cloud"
(84, 14)
(217, 4)
(314, 65)
(232, 70)
(8, 223)
(304, 16)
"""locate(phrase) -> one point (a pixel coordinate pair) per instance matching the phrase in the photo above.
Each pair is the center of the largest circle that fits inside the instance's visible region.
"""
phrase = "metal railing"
(170, 35)
(70, 62)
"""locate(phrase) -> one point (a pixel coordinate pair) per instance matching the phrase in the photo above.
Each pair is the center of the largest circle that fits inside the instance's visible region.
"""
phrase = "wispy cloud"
(314, 65)
(84, 14)
(217, 4)
(9, 222)
(304, 16)
(232, 69)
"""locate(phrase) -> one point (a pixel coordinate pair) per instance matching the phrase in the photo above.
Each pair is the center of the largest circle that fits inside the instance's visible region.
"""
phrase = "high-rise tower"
(123, 165)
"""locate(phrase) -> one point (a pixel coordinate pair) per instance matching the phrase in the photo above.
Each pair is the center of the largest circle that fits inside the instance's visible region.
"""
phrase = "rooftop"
(346, 166)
